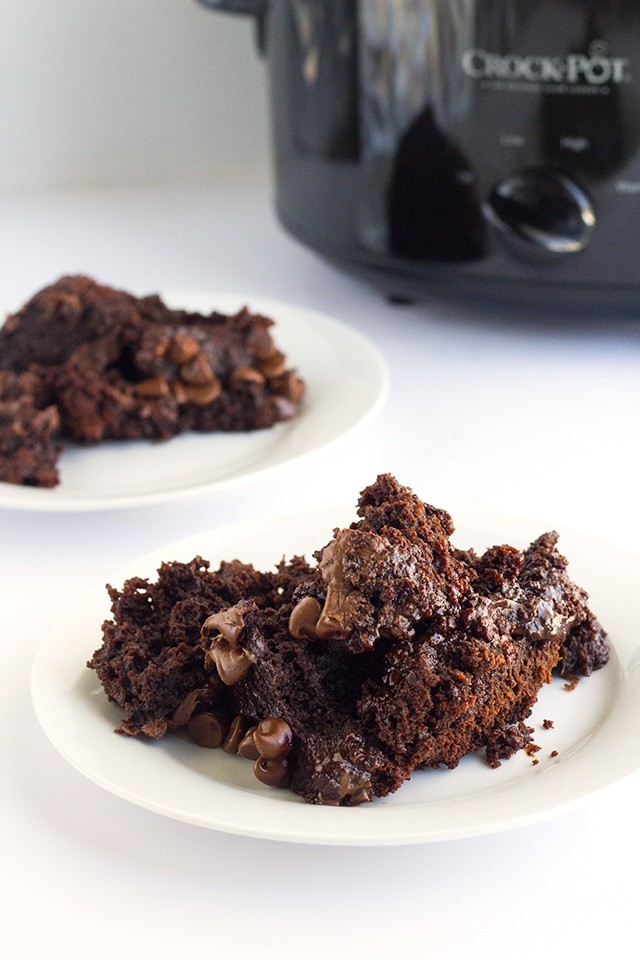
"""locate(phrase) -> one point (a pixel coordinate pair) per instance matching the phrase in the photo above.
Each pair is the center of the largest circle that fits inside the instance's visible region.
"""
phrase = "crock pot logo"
(595, 68)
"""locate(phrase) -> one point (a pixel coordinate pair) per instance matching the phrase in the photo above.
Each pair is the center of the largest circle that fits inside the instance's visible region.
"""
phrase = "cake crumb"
(554, 753)
(572, 683)
(547, 724)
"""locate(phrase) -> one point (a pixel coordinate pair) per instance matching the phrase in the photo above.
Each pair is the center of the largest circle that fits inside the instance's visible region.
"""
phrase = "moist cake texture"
(28, 430)
(111, 366)
(151, 661)
(392, 650)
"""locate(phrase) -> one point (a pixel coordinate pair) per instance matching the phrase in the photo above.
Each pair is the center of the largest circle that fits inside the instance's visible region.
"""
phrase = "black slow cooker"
(460, 146)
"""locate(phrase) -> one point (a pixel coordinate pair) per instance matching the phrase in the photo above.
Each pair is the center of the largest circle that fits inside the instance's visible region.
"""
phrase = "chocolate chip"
(331, 628)
(235, 734)
(273, 773)
(290, 386)
(333, 622)
(275, 365)
(247, 375)
(207, 729)
(273, 738)
(187, 707)
(197, 371)
(220, 633)
(183, 348)
(247, 747)
(303, 619)
(153, 388)
(232, 663)
(229, 623)
(179, 392)
(203, 395)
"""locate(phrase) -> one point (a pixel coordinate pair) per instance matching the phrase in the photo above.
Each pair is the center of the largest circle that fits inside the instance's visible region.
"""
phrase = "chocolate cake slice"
(116, 366)
(395, 651)
(151, 661)
(404, 652)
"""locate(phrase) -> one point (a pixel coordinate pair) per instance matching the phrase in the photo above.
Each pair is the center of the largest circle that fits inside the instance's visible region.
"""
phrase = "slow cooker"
(462, 147)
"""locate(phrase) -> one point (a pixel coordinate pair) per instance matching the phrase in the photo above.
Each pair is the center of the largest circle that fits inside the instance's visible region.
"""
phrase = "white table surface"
(535, 416)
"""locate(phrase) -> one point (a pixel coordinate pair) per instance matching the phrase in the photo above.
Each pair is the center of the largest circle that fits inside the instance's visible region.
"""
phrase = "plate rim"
(41, 500)
(369, 833)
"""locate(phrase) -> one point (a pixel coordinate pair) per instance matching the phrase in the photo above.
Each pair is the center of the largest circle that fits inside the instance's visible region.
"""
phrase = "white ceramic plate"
(347, 384)
(596, 727)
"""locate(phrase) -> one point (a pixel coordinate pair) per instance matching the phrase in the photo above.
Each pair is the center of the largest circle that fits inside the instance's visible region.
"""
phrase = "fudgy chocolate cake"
(28, 430)
(151, 661)
(115, 366)
(393, 651)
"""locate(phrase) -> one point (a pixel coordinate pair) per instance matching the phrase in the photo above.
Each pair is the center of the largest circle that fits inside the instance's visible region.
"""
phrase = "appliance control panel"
(520, 155)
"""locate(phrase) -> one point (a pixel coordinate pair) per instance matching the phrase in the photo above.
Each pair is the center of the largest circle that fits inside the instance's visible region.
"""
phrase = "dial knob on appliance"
(542, 211)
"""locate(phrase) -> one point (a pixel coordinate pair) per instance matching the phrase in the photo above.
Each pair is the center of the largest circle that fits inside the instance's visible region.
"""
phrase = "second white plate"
(347, 384)
(595, 739)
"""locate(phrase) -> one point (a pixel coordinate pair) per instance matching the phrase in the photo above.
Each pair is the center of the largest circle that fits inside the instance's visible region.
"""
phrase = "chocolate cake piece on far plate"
(121, 367)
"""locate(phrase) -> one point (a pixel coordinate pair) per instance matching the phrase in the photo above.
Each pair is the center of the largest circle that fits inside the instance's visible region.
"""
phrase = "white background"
(134, 147)
(107, 91)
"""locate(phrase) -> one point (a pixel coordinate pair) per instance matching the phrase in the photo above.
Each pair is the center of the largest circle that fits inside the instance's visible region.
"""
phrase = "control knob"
(541, 211)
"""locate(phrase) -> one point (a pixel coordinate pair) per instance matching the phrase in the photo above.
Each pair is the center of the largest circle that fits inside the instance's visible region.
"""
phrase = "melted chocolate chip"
(222, 631)
(247, 747)
(229, 623)
(235, 735)
(183, 712)
(207, 729)
(247, 375)
(232, 663)
(183, 348)
(273, 773)
(333, 621)
(303, 619)
(197, 372)
(202, 394)
(273, 738)
(274, 365)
